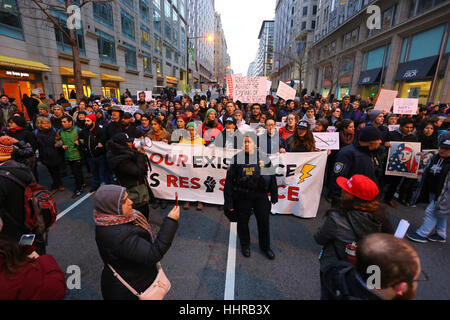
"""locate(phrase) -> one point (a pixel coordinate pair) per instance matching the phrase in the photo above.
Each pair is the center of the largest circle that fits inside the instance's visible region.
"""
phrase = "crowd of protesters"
(96, 136)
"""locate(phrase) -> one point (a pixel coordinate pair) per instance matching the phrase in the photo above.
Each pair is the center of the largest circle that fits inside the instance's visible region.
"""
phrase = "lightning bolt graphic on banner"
(305, 172)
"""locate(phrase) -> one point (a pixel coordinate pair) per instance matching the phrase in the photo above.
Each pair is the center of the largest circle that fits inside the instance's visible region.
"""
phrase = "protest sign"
(198, 173)
(250, 89)
(426, 157)
(269, 86)
(327, 140)
(148, 95)
(385, 99)
(403, 159)
(406, 106)
(130, 109)
(286, 92)
(393, 127)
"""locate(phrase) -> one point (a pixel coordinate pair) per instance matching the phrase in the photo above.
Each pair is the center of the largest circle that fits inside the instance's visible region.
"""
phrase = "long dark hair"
(13, 255)
(309, 142)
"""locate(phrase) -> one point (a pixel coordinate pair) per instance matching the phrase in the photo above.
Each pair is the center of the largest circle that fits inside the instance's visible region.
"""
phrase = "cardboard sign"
(393, 127)
(250, 89)
(327, 140)
(148, 95)
(427, 155)
(385, 100)
(130, 109)
(403, 159)
(286, 92)
(406, 106)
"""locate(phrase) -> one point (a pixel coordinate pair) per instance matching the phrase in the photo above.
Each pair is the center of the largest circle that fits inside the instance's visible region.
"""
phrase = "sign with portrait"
(403, 159)
(426, 157)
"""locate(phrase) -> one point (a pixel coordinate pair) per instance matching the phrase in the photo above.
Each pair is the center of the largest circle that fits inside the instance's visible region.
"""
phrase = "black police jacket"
(242, 173)
(355, 159)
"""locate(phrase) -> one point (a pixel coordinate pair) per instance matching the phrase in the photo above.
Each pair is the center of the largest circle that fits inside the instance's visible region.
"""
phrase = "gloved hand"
(231, 215)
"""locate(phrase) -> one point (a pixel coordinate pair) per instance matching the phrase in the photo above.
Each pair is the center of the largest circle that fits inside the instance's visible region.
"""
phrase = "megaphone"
(141, 143)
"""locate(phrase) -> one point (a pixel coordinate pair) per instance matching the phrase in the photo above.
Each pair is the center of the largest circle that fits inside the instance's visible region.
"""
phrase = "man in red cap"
(358, 214)
(93, 144)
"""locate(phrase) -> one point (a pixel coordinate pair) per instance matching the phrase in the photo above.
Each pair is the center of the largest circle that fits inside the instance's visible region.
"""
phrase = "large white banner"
(198, 173)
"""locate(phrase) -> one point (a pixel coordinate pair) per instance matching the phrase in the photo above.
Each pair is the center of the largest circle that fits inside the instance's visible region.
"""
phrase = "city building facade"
(201, 42)
(295, 22)
(123, 44)
(401, 45)
(220, 53)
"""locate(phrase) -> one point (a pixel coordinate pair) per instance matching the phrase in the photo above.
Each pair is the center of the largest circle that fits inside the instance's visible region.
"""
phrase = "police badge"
(338, 167)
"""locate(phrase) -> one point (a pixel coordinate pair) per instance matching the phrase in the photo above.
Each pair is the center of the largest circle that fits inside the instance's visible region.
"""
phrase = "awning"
(416, 69)
(69, 72)
(108, 77)
(171, 79)
(369, 77)
(23, 64)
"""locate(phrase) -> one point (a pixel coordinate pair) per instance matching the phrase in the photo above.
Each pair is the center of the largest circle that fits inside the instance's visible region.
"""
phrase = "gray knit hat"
(373, 114)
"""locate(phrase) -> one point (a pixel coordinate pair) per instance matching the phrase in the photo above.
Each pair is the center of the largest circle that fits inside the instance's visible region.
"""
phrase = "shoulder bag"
(157, 290)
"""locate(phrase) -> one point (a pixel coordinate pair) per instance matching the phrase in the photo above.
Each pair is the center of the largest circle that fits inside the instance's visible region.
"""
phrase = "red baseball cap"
(92, 117)
(360, 186)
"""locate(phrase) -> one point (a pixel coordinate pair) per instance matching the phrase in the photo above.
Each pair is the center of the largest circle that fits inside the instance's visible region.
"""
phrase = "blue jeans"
(99, 171)
(433, 220)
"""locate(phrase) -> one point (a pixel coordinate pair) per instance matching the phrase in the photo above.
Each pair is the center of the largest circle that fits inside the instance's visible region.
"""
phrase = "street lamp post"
(210, 38)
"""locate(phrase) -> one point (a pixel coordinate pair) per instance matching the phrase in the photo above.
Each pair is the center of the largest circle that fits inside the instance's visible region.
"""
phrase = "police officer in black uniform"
(362, 157)
(249, 179)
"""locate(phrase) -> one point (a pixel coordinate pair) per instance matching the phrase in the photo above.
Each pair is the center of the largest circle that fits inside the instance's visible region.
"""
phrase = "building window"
(127, 25)
(420, 6)
(314, 10)
(157, 4)
(106, 47)
(159, 67)
(167, 9)
(168, 30)
(355, 36)
(10, 23)
(147, 62)
(103, 13)
(303, 25)
(305, 11)
(144, 10)
(158, 44)
(175, 37)
(128, 3)
(145, 36)
(168, 52)
(130, 57)
(426, 44)
(182, 8)
(157, 20)
(313, 25)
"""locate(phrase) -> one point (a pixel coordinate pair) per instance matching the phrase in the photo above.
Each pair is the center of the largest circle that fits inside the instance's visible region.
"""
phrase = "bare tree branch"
(71, 40)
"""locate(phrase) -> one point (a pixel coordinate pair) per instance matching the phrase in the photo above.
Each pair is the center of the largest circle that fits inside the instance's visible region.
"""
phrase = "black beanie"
(369, 134)
(19, 121)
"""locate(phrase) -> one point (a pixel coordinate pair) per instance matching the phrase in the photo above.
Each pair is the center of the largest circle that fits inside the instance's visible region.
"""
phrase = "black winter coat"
(129, 166)
(12, 206)
(24, 135)
(128, 248)
(337, 230)
(49, 155)
(89, 141)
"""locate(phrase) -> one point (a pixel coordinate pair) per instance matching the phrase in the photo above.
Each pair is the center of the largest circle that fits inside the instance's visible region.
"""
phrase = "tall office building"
(264, 56)
(201, 25)
(408, 50)
(220, 53)
(295, 21)
(123, 44)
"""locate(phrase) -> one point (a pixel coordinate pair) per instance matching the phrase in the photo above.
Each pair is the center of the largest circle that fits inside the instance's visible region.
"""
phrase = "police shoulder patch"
(338, 167)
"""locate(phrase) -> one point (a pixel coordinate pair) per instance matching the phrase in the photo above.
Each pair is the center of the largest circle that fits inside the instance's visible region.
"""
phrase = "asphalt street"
(196, 264)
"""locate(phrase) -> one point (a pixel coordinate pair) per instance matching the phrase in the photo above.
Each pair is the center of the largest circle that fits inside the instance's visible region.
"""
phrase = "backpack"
(40, 206)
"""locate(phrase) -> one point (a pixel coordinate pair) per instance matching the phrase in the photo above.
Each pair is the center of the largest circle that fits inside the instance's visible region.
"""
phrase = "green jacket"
(68, 138)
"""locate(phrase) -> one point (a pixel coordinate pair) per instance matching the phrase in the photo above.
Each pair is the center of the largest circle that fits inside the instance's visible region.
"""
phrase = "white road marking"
(62, 214)
(231, 263)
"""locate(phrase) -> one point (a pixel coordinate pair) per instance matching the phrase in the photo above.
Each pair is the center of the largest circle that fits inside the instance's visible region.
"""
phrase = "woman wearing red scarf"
(126, 241)
(18, 129)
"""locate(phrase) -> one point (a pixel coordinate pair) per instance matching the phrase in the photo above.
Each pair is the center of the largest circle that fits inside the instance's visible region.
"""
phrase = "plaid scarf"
(367, 206)
(138, 218)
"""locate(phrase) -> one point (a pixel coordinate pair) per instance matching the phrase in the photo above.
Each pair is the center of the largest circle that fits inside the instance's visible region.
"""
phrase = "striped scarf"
(105, 220)
(367, 206)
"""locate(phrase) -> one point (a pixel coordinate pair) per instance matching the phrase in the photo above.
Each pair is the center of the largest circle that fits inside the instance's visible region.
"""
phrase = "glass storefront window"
(418, 90)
